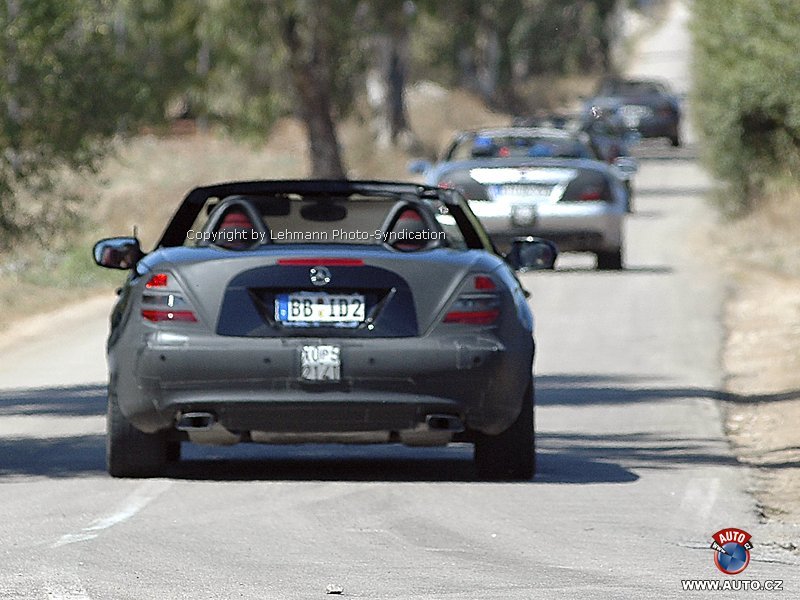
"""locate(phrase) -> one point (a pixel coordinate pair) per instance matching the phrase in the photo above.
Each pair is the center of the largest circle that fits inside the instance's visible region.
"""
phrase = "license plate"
(321, 363)
(533, 191)
(319, 307)
(523, 214)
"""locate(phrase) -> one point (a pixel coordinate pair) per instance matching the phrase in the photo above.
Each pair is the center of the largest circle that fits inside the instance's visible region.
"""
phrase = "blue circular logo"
(734, 560)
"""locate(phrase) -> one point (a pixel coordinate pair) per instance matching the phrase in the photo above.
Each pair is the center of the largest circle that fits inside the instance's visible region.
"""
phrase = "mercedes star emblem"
(320, 276)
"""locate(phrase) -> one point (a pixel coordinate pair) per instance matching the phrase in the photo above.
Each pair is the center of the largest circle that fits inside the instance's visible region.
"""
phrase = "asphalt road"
(634, 472)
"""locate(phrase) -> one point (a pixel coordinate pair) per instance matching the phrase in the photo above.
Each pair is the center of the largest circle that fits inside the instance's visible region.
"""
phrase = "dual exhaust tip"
(203, 421)
(444, 423)
(195, 421)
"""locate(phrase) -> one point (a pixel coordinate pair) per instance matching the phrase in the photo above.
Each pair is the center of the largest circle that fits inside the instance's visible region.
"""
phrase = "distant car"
(321, 311)
(606, 139)
(578, 203)
(643, 105)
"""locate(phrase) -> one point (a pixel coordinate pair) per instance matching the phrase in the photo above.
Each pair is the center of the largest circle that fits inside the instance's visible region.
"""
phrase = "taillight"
(165, 301)
(476, 304)
(169, 315)
(591, 193)
(484, 283)
(159, 280)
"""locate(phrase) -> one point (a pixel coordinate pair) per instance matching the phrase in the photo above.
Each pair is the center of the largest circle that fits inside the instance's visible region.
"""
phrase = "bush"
(747, 92)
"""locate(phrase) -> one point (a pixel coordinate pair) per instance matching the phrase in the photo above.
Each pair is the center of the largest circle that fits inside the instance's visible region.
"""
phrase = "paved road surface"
(635, 475)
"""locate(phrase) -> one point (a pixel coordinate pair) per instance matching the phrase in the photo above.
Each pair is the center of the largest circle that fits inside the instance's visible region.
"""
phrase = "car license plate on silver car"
(317, 307)
(523, 214)
(321, 363)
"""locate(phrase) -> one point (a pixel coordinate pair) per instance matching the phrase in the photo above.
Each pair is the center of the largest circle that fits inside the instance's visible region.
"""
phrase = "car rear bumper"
(598, 229)
(254, 384)
(654, 127)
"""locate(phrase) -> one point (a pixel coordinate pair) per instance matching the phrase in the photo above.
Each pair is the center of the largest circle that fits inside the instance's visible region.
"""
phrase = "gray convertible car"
(321, 311)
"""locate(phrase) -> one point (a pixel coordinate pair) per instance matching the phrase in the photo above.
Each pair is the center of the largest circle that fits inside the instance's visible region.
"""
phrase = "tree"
(387, 25)
(305, 32)
(747, 94)
(67, 90)
(269, 59)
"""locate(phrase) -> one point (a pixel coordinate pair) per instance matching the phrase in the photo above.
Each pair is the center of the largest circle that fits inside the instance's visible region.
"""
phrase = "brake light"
(320, 262)
(158, 280)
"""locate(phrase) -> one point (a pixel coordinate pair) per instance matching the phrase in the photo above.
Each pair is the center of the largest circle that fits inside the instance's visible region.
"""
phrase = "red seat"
(408, 231)
(236, 231)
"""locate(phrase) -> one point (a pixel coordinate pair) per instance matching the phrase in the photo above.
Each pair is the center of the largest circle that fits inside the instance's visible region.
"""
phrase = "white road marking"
(140, 498)
(700, 497)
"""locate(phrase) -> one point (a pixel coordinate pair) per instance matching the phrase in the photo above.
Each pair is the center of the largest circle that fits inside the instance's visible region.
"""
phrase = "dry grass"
(761, 357)
(769, 237)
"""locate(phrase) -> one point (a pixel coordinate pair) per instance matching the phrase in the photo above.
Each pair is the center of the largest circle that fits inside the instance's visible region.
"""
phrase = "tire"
(675, 140)
(510, 455)
(131, 453)
(629, 198)
(609, 261)
(173, 452)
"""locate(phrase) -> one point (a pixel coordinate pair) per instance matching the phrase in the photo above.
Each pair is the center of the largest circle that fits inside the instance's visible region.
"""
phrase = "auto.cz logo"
(732, 548)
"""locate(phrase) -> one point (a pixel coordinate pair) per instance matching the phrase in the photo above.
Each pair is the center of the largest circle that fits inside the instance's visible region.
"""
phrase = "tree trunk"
(310, 76)
(386, 79)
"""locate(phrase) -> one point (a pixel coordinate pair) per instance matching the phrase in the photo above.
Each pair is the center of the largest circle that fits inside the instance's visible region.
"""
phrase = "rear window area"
(631, 88)
(242, 222)
(519, 146)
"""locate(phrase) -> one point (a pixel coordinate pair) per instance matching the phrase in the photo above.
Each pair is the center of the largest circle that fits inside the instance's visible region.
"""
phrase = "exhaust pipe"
(195, 421)
(444, 423)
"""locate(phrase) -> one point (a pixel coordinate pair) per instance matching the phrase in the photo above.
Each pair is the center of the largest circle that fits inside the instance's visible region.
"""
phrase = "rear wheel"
(511, 454)
(130, 452)
(609, 261)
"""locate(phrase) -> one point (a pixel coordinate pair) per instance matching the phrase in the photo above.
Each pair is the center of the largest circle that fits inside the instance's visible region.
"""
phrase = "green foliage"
(747, 92)
(76, 74)
(461, 43)
(68, 88)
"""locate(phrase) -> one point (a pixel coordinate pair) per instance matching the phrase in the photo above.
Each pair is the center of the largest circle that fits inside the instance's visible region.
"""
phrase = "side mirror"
(532, 254)
(418, 166)
(118, 253)
(628, 165)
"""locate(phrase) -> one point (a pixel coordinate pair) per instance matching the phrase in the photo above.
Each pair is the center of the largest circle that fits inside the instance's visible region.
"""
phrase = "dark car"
(642, 105)
(321, 311)
(605, 138)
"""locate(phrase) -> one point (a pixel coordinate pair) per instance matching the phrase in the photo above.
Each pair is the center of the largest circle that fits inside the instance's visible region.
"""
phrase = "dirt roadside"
(761, 359)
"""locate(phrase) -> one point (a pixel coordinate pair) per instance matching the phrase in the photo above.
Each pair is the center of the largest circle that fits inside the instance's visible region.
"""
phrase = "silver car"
(578, 203)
